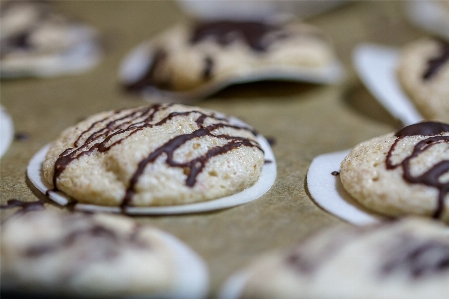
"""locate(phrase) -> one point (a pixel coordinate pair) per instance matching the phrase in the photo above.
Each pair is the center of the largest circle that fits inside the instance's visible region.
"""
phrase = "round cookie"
(154, 156)
(423, 72)
(88, 255)
(37, 40)
(402, 173)
(403, 259)
(191, 56)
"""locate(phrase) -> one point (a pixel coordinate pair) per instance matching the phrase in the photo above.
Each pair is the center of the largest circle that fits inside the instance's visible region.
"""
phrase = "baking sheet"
(303, 120)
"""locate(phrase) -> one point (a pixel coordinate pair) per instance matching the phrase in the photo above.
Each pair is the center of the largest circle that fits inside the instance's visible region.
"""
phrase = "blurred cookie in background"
(50, 253)
(402, 259)
(423, 73)
(193, 60)
(38, 41)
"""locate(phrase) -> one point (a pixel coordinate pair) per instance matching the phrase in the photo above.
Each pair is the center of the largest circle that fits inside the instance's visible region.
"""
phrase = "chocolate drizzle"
(104, 134)
(226, 32)
(21, 40)
(208, 67)
(431, 177)
(307, 258)
(21, 136)
(150, 78)
(85, 239)
(418, 258)
(25, 206)
(105, 239)
(436, 63)
(271, 140)
(94, 231)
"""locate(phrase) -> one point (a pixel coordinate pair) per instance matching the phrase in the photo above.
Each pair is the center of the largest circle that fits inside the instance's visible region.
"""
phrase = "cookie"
(157, 155)
(93, 256)
(402, 259)
(402, 173)
(196, 59)
(37, 40)
(423, 73)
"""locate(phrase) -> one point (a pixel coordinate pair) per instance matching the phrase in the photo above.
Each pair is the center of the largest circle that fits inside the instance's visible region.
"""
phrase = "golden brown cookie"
(76, 255)
(393, 260)
(155, 155)
(423, 72)
(402, 173)
(206, 55)
(37, 40)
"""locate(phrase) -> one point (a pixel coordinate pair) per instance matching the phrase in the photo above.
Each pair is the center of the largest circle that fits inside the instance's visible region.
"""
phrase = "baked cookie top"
(49, 252)
(197, 54)
(37, 40)
(423, 72)
(154, 156)
(401, 259)
(402, 173)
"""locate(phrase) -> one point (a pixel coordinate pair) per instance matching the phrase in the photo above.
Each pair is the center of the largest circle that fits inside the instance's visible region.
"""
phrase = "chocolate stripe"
(434, 64)
(431, 176)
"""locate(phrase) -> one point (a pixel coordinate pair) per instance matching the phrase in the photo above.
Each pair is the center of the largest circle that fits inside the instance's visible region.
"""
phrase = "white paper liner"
(329, 193)
(234, 285)
(138, 60)
(255, 10)
(86, 54)
(429, 15)
(6, 130)
(191, 274)
(376, 67)
(266, 180)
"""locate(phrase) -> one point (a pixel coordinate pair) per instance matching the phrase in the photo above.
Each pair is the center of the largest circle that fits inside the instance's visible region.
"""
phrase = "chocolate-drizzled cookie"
(402, 173)
(154, 156)
(87, 255)
(37, 40)
(204, 54)
(423, 72)
(403, 259)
